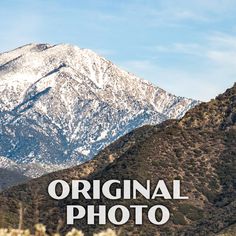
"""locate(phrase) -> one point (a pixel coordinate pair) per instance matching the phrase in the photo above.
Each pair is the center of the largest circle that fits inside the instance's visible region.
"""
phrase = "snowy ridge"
(60, 105)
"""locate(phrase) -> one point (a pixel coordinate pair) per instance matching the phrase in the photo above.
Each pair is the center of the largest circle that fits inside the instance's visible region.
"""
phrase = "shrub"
(191, 212)
(178, 219)
(40, 230)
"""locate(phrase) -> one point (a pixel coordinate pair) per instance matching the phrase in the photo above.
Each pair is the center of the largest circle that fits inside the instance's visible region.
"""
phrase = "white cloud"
(222, 50)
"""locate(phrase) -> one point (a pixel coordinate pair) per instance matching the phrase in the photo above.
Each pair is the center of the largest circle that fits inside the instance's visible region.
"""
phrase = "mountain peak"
(62, 48)
(60, 105)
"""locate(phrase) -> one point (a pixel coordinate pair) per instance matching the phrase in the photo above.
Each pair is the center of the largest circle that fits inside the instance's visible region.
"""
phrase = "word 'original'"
(115, 190)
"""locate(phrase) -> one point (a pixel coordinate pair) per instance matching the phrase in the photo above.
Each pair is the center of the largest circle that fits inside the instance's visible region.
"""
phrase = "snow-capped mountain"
(60, 105)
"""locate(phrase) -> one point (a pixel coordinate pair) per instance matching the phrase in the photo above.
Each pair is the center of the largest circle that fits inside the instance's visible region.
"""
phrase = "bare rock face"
(60, 105)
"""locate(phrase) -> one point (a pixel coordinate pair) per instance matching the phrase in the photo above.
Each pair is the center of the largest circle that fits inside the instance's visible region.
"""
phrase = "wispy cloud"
(215, 66)
(223, 58)
(217, 47)
(179, 15)
(203, 84)
(188, 48)
(223, 50)
(182, 48)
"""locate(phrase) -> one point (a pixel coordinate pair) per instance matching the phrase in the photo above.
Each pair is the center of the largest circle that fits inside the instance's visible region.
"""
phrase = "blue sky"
(187, 47)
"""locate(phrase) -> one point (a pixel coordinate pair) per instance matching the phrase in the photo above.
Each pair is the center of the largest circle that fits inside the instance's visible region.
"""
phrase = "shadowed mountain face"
(9, 177)
(60, 105)
(199, 149)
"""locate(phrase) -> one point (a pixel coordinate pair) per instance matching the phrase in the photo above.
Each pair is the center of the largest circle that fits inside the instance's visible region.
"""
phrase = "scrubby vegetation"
(40, 230)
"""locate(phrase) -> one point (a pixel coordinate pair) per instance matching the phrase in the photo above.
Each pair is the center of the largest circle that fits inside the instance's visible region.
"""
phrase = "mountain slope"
(200, 150)
(8, 178)
(60, 105)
